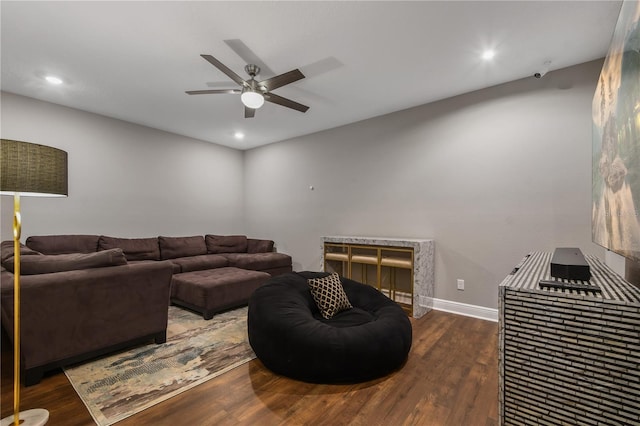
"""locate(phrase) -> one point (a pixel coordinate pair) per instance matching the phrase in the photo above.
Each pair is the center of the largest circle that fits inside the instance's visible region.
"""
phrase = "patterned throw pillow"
(329, 295)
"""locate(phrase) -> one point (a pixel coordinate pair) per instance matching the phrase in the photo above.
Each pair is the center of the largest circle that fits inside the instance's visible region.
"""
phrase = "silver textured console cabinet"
(568, 357)
(403, 269)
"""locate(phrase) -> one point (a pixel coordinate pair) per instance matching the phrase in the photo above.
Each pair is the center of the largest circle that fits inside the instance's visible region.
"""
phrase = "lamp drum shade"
(30, 169)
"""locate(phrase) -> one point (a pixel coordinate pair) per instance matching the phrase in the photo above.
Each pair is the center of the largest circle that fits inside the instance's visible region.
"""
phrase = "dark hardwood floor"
(450, 378)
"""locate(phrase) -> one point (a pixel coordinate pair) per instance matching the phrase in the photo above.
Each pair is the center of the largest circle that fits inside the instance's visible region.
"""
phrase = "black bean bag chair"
(291, 338)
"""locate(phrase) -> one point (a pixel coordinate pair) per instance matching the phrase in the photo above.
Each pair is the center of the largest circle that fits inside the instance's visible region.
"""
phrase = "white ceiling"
(134, 60)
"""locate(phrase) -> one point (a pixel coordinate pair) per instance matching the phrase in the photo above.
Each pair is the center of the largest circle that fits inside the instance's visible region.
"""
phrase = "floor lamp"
(27, 169)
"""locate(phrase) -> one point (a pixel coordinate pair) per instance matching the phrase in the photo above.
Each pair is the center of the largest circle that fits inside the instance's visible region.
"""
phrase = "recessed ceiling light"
(238, 135)
(487, 55)
(53, 80)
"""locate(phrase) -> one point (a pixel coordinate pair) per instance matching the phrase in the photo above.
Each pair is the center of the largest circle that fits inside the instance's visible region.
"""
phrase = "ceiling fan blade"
(212, 91)
(273, 98)
(249, 112)
(222, 67)
(282, 79)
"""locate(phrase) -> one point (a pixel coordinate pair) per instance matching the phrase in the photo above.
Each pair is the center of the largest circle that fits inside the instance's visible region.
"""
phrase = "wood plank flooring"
(450, 378)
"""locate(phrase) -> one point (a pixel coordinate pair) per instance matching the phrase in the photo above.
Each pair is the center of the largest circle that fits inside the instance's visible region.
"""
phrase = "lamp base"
(35, 417)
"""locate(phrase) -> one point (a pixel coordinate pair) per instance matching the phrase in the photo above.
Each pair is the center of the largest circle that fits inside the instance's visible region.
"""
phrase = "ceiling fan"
(254, 93)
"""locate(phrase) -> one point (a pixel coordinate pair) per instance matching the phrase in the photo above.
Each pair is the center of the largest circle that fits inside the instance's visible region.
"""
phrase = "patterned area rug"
(120, 385)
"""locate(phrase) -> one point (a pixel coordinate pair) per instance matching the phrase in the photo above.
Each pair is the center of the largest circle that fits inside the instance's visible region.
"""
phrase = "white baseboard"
(474, 311)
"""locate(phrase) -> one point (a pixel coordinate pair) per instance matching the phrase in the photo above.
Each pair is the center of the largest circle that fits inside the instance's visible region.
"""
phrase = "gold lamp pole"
(27, 169)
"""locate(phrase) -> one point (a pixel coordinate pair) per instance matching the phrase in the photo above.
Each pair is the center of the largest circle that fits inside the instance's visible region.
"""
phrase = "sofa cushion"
(226, 244)
(174, 247)
(259, 246)
(258, 261)
(329, 295)
(133, 248)
(63, 244)
(199, 263)
(174, 268)
(6, 250)
(45, 264)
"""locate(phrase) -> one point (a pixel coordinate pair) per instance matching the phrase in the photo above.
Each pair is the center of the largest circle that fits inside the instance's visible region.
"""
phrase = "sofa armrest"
(66, 314)
(255, 245)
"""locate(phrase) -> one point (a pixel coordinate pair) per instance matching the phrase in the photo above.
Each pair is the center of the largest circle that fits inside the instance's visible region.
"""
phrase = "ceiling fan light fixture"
(252, 99)
(254, 93)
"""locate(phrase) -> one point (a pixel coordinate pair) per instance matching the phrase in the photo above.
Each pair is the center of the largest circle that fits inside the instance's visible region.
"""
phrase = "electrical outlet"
(460, 284)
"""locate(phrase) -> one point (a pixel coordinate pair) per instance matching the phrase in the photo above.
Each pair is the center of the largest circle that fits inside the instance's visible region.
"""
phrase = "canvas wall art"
(616, 140)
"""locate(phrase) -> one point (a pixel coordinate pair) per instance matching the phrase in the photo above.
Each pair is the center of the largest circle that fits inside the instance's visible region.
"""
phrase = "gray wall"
(490, 175)
(124, 179)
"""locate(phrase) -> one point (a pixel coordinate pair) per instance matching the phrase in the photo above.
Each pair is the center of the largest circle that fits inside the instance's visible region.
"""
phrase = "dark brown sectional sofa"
(86, 295)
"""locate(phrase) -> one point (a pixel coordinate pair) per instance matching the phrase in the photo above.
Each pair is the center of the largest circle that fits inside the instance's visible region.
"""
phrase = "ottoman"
(214, 290)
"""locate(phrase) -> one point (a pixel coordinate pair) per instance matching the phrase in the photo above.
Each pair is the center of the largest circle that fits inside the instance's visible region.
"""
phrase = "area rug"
(120, 385)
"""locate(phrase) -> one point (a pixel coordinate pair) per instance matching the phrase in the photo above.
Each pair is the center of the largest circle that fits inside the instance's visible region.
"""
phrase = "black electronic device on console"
(570, 264)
